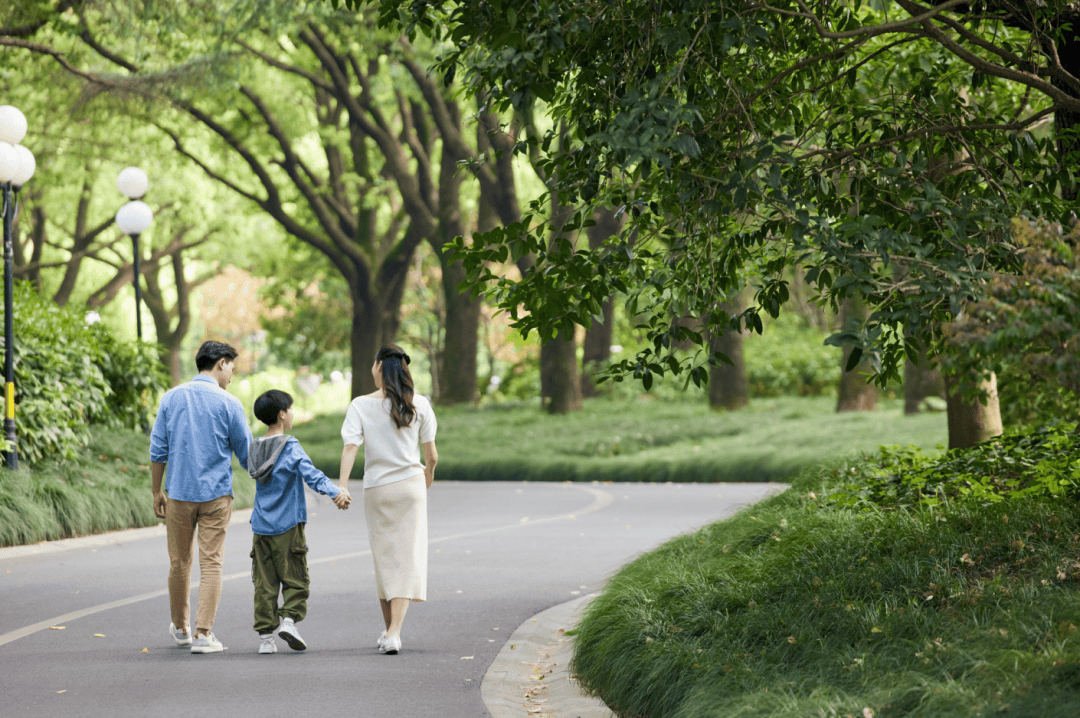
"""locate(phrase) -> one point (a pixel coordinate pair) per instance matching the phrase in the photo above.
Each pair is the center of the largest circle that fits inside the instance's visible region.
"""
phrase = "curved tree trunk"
(854, 392)
(729, 387)
(457, 365)
(972, 421)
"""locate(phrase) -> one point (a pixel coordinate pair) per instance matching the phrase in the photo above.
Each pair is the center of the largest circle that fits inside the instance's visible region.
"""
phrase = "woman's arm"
(348, 458)
(431, 457)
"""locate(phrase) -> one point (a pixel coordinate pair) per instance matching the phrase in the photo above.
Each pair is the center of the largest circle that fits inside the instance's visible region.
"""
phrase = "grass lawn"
(798, 607)
(645, 440)
(108, 487)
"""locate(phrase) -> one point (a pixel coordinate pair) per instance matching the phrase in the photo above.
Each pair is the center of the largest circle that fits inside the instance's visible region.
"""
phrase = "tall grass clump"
(802, 606)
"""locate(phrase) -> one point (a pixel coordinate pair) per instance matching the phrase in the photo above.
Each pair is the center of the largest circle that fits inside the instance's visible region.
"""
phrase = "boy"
(280, 468)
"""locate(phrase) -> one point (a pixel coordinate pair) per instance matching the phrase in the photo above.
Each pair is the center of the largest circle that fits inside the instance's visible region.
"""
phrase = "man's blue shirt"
(199, 425)
(280, 503)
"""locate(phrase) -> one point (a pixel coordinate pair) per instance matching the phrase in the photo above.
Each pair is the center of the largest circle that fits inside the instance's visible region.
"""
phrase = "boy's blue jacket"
(279, 500)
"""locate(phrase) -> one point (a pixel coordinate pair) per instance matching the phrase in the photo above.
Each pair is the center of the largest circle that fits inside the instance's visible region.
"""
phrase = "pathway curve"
(501, 553)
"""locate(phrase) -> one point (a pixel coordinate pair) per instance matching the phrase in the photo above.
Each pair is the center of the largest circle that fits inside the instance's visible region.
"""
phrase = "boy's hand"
(343, 499)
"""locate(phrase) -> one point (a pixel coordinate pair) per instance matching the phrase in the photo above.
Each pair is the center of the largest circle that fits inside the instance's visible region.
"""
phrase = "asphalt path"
(499, 553)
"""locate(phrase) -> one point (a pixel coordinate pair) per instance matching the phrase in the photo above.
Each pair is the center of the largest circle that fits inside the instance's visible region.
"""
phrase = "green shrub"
(69, 375)
(1040, 462)
(790, 359)
(104, 486)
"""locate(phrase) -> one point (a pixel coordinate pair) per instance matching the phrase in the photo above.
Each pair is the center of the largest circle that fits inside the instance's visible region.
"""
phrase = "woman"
(393, 421)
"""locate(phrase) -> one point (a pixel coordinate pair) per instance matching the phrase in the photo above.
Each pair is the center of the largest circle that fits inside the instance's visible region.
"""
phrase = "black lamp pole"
(12, 456)
(138, 290)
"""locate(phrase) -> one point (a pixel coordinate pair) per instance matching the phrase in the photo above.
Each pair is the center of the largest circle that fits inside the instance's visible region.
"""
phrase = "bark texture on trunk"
(729, 387)
(854, 392)
(972, 421)
(560, 389)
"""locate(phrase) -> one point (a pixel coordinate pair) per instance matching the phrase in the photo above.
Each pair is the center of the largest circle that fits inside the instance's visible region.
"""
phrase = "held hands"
(343, 499)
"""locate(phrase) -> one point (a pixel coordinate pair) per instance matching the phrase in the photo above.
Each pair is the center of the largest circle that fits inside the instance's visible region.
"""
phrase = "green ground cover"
(812, 604)
(645, 440)
(105, 487)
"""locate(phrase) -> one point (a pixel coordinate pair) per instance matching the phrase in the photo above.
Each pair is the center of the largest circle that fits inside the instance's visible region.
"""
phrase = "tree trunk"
(365, 340)
(560, 391)
(854, 392)
(921, 381)
(598, 337)
(971, 421)
(457, 367)
(729, 387)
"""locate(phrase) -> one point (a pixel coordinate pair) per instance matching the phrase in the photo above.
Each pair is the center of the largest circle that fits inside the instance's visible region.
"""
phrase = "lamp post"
(133, 219)
(17, 166)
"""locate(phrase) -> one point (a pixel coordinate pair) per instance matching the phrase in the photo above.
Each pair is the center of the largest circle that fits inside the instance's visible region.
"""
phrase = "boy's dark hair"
(210, 353)
(270, 404)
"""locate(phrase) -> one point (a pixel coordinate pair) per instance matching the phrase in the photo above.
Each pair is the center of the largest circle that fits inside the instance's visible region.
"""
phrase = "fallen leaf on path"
(494, 629)
(561, 631)
(146, 650)
(875, 629)
(99, 635)
(63, 691)
(57, 628)
(467, 658)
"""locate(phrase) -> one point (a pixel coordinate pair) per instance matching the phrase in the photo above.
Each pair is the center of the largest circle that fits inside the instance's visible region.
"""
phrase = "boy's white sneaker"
(182, 638)
(207, 643)
(290, 635)
(268, 644)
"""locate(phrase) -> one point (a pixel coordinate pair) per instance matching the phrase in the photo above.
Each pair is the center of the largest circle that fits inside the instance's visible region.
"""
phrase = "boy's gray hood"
(263, 454)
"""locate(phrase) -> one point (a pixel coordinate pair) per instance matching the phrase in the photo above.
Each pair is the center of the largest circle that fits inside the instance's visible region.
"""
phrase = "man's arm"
(157, 473)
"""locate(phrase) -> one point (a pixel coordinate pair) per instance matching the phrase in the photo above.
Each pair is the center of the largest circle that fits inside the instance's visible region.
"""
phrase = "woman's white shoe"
(390, 646)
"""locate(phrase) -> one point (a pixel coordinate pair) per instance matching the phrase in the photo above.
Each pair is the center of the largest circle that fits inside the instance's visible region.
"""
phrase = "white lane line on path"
(600, 500)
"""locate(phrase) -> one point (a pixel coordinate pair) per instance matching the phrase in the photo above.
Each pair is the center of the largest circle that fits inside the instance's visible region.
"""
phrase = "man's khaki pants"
(212, 520)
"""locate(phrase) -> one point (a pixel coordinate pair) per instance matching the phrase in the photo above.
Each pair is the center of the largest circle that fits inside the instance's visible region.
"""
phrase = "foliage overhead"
(883, 146)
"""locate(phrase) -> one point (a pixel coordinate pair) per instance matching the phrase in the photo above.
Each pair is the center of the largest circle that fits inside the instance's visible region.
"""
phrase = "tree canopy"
(884, 146)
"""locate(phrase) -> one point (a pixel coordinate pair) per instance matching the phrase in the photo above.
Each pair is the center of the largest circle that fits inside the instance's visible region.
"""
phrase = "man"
(199, 426)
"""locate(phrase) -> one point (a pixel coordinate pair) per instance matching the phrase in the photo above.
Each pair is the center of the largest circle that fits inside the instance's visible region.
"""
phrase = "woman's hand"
(343, 499)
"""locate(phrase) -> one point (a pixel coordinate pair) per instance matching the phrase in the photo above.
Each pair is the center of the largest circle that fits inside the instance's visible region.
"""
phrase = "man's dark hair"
(210, 353)
(270, 404)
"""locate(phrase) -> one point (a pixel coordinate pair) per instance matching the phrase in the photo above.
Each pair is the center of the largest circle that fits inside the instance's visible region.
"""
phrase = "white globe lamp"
(9, 162)
(27, 165)
(12, 125)
(134, 217)
(132, 182)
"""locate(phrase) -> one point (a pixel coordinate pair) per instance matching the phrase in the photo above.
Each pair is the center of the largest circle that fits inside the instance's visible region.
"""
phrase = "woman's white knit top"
(390, 454)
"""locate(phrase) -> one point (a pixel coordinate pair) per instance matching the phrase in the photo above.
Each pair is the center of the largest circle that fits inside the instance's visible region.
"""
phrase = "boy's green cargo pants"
(280, 563)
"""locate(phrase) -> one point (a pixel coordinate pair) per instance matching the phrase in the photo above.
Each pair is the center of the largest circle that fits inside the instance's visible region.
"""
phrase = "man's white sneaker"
(268, 645)
(291, 636)
(182, 638)
(382, 637)
(207, 643)
(390, 646)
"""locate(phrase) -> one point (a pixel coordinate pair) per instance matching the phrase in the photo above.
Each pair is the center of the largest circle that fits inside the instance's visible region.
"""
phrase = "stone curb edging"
(529, 678)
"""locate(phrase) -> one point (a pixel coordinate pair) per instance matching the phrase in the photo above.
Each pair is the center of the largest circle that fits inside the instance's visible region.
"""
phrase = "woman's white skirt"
(397, 530)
